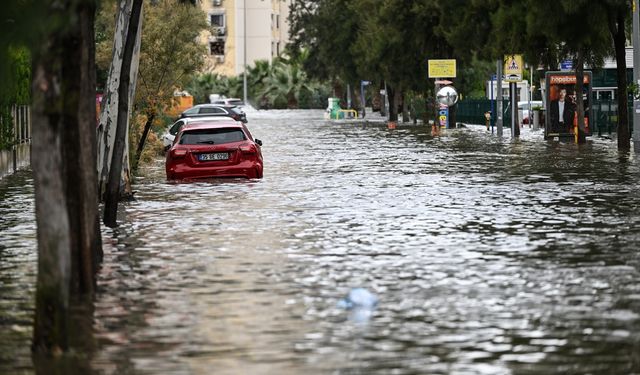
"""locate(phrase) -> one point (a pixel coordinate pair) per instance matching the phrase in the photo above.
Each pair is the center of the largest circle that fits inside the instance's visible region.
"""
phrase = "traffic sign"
(513, 68)
(442, 68)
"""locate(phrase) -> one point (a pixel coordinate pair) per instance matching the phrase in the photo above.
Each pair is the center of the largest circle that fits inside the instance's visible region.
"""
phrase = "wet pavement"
(487, 256)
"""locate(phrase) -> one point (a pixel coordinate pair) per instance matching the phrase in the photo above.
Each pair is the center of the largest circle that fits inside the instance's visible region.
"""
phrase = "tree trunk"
(63, 162)
(115, 170)
(405, 108)
(54, 257)
(580, 130)
(80, 153)
(617, 29)
(107, 124)
(393, 108)
(151, 115)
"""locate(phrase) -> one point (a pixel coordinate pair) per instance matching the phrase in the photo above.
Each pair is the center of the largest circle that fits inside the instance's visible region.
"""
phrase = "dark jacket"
(568, 115)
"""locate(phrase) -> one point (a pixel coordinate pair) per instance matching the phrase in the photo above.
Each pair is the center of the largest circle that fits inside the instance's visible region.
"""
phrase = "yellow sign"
(513, 68)
(442, 68)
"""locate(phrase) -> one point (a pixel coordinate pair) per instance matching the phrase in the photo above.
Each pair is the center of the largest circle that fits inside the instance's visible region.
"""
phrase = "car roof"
(212, 125)
(189, 120)
(205, 105)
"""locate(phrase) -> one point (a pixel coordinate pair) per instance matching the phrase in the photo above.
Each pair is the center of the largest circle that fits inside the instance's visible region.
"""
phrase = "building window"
(278, 48)
(277, 21)
(216, 47)
(217, 20)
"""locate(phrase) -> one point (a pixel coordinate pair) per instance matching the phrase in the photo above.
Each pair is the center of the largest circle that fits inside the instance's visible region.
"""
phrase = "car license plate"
(214, 156)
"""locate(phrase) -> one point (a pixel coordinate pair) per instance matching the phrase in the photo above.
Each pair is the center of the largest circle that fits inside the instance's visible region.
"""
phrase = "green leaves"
(281, 84)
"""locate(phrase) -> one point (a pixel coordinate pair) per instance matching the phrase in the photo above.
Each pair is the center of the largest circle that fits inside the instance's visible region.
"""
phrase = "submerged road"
(487, 256)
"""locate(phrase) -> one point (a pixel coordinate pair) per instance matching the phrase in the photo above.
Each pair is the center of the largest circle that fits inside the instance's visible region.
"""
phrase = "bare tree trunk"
(115, 170)
(617, 29)
(63, 162)
(80, 139)
(151, 115)
(107, 125)
(54, 257)
(580, 130)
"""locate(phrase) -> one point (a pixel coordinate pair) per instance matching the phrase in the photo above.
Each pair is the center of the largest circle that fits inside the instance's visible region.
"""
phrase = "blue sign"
(566, 65)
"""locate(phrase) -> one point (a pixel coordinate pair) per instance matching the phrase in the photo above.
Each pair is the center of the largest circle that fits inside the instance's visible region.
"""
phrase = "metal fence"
(15, 138)
(471, 111)
(15, 126)
(605, 116)
(604, 121)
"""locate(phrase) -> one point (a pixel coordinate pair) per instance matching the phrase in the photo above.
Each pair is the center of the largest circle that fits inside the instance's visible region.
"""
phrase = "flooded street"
(487, 256)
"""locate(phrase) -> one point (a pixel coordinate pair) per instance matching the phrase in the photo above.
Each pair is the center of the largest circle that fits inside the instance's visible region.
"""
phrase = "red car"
(214, 149)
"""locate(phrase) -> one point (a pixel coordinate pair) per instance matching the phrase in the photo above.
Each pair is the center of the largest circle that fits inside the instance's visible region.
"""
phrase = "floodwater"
(487, 256)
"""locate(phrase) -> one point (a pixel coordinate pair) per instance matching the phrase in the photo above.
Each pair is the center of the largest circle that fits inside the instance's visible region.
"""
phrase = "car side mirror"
(258, 142)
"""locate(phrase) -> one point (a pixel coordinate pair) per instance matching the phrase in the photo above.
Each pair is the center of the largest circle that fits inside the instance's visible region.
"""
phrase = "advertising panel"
(561, 118)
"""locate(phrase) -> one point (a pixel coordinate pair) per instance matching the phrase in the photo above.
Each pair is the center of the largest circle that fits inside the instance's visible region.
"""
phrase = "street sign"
(442, 68)
(513, 68)
(447, 96)
(566, 65)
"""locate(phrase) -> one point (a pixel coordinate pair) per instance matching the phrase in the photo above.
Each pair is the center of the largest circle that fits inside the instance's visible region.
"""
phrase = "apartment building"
(258, 26)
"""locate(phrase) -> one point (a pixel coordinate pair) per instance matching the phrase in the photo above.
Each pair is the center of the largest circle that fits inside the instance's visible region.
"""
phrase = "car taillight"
(178, 153)
(248, 149)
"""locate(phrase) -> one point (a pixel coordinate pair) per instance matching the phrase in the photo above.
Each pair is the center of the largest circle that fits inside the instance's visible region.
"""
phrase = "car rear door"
(213, 147)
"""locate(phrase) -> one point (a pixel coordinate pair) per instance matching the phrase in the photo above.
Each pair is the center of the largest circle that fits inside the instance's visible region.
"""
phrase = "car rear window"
(212, 136)
(236, 102)
(191, 111)
(236, 110)
(211, 110)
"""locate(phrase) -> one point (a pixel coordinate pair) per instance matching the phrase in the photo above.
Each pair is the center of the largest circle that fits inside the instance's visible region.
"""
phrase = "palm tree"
(285, 83)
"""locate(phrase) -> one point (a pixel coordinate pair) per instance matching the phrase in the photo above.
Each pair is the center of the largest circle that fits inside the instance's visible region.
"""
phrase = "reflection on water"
(488, 257)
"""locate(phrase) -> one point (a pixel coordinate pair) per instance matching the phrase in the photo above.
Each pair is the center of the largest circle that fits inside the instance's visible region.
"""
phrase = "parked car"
(214, 149)
(216, 99)
(209, 110)
(170, 134)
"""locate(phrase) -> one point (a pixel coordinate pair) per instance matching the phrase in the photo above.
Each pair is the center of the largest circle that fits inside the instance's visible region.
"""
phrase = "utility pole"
(244, 66)
(499, 97)
(493, 112)
(515, 121)
(636, 75)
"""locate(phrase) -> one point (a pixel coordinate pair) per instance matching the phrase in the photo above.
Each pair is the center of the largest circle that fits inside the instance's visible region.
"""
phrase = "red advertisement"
(561, 104)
